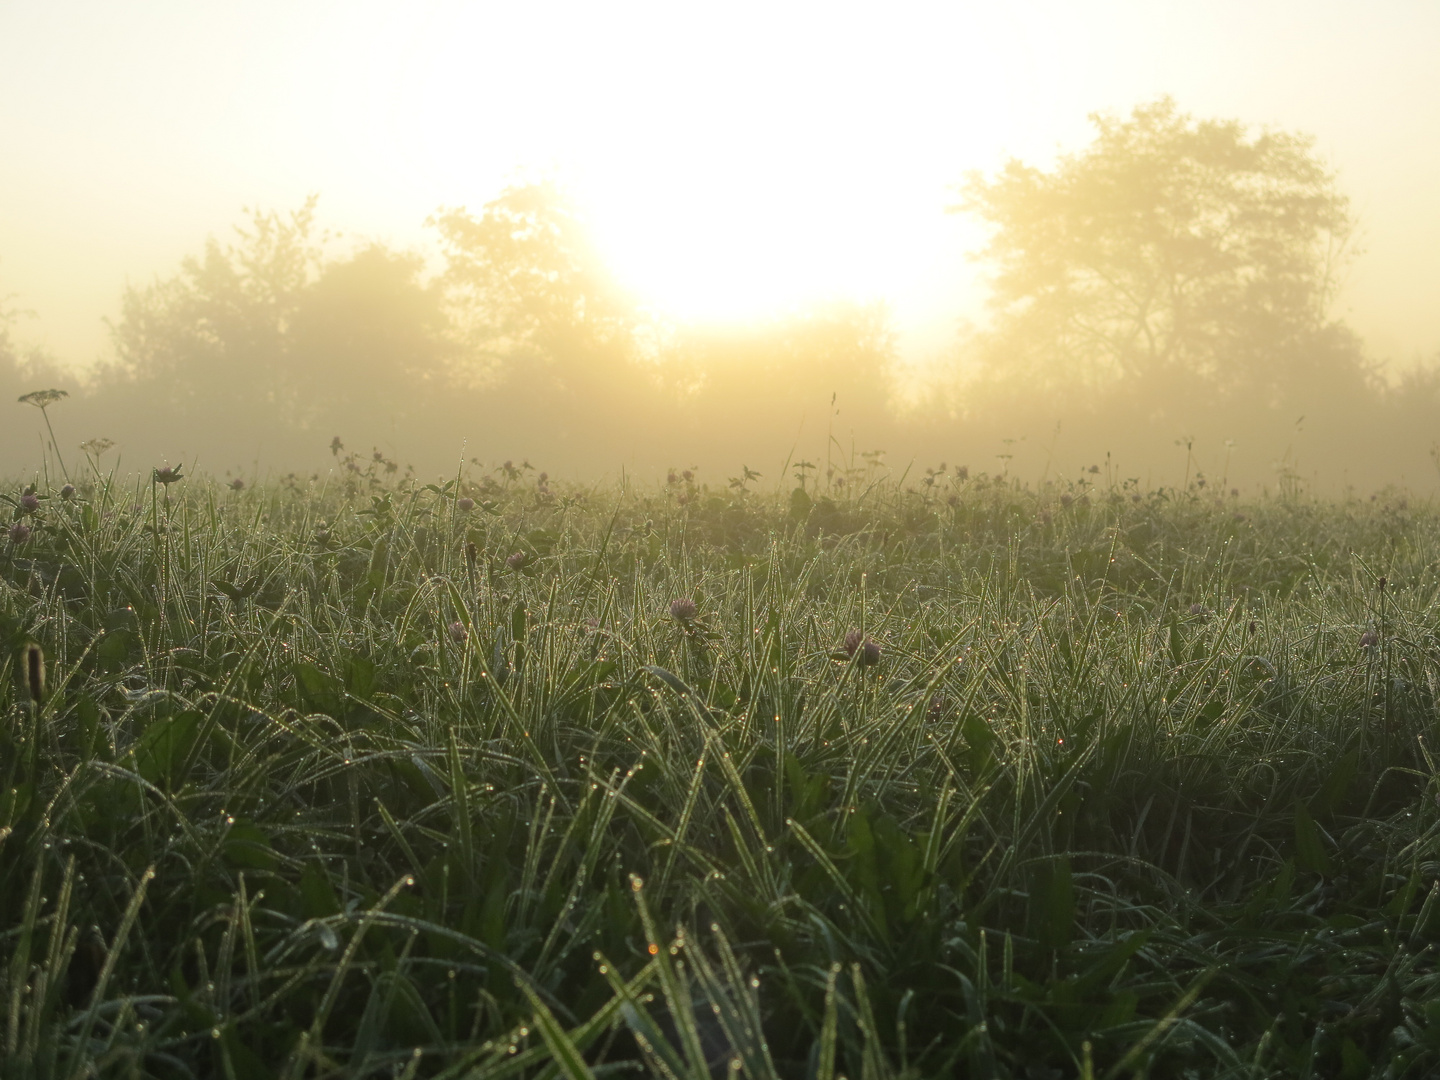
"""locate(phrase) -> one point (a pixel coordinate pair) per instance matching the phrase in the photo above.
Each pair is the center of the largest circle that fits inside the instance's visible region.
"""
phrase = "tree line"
(1173, 282)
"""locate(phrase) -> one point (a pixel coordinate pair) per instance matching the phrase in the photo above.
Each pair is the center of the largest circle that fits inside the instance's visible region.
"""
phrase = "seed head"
(35, 672)
(683, 609)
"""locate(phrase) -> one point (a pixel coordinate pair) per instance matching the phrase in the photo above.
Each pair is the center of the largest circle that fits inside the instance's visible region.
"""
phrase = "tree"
(219, 329)
(1171, 256)
(367, 336)
(554, 342)
(530, 292)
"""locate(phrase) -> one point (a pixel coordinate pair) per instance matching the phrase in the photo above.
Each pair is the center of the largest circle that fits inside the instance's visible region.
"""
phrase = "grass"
(348, 781)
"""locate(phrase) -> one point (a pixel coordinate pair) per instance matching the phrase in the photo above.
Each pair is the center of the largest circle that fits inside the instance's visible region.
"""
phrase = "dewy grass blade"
(78, 1065)
(567, 1054)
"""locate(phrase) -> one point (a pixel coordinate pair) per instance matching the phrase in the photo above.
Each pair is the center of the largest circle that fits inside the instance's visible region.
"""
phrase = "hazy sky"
(733, 158)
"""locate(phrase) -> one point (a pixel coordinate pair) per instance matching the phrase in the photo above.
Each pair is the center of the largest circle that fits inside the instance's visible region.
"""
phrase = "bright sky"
(733, 158)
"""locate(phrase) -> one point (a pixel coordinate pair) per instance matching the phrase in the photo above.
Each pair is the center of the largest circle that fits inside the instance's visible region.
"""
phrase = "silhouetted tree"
(219, 330)
(289, 347)
(529, 290)
(368, 336)
(548, 334)
(1171, 256)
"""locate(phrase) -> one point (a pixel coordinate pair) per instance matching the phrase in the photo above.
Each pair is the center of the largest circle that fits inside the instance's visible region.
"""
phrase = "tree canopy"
(1170, 255)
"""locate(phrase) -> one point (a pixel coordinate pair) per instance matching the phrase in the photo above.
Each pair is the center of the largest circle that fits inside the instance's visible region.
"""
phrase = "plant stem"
(54, 444)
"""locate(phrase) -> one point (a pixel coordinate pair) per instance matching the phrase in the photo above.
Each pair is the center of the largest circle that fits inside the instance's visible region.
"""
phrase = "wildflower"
(167, 475)
(458, 633)
(1369, 639)
(1234, 493)
(683, 610)
(465, 505)
(67, 492)
(1066, 499)
(671, 478)
(687, 476)
(868, 651)
(19, 533)
(517, 561)
(1199, 609)
(237, 484)
(29, 502)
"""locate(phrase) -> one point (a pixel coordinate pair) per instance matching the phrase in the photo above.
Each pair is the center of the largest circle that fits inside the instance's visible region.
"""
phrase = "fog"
(1098, 282)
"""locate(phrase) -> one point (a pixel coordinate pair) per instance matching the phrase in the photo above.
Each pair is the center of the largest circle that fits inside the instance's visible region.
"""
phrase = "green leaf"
(248, 847)
(317, 895)
(1052, 903)
(164, 746)
(1309, 847)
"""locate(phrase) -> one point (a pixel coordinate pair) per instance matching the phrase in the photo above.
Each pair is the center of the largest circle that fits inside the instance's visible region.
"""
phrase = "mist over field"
(1172, 290)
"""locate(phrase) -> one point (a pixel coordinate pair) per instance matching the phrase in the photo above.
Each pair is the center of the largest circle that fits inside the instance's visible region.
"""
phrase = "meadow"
(921, 776)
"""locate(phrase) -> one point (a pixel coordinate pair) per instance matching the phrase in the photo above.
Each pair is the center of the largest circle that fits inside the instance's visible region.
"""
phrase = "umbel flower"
(42, 400)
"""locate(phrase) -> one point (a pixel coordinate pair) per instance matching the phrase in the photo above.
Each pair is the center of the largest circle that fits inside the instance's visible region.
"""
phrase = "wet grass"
(969, 780)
